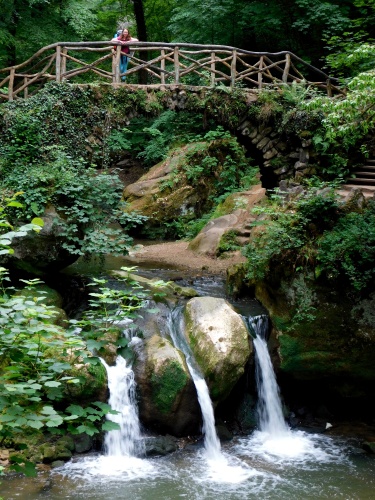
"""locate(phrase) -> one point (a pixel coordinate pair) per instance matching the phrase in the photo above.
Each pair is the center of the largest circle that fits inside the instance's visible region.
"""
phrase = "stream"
(273, 462)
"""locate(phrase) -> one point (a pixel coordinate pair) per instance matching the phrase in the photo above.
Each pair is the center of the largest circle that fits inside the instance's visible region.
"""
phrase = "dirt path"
(176, 253)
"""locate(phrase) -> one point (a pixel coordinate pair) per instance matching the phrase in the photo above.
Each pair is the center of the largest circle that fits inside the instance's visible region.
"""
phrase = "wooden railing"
(163, 63)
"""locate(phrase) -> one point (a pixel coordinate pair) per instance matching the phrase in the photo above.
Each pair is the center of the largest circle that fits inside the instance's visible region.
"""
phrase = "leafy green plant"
(290, 232)
(108, 309)
(32, 380)
(349, 249)
(228, 242)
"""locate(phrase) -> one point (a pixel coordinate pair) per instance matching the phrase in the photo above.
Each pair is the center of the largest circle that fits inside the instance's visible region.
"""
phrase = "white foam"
(123, 468)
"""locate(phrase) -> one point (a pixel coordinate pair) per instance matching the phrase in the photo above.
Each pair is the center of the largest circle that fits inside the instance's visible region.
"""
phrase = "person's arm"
(131, 51)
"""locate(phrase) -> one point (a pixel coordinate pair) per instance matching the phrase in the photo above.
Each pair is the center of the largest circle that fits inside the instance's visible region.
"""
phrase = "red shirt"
(124, 48)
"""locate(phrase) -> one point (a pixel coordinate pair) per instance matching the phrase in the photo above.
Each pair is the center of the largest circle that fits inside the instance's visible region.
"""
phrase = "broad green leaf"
(38, 221)
(110, 426)
(52, 383)
(35, 424)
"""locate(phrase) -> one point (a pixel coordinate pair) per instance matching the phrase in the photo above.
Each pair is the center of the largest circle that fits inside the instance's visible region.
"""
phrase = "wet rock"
(369, 447)
(168, 400)
(160, 445)
(223, 432)
(239, 217)
(219, 340)
(54, 465)
(82, 443)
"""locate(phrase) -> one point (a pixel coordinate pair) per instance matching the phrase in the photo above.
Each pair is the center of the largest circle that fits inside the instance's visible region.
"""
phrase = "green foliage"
(290, 232)
(151, 139)
(108, 309)
(313, 235)
(228, 242)
(44, 153)
(31, 381)
(88, 202)
(302, 299)
(218, 157)
(7, 231)
(349, 249)
(345, 125)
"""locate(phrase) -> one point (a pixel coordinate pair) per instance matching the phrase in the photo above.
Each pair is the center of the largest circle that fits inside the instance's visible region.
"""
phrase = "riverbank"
(178, 255)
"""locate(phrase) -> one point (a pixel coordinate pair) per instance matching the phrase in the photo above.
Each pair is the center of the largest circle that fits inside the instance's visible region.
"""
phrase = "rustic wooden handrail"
(165, 64)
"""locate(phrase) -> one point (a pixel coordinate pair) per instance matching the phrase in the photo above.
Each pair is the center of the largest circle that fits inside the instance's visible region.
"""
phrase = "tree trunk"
(139, 14)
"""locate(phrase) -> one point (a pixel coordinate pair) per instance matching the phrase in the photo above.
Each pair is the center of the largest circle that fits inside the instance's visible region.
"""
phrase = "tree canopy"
(322, 32)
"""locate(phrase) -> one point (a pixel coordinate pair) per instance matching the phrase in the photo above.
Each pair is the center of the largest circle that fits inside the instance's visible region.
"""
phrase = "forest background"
(323, 33)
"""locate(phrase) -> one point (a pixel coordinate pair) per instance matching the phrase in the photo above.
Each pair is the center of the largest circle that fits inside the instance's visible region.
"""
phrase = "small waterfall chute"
(274, 440)
(211, 440)
(270, 413)
(127, 440)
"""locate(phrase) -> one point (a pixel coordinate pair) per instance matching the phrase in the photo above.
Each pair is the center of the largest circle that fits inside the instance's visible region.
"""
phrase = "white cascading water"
(126, 441)
(271, 418)
(211, 441)
(274, 440)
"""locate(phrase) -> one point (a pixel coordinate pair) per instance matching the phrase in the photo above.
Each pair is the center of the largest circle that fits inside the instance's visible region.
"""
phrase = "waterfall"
(211, 440)
(271, 419)
(126, 441)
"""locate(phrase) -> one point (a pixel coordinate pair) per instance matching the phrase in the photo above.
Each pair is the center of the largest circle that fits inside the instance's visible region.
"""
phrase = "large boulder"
(43, 251)
(219, 339)
(156, 195)
(238, 219)
(168, 400)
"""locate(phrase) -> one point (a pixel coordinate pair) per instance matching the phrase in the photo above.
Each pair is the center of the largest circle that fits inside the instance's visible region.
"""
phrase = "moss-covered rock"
(220, 342)
(168, 401)
(324, 333)
(45, 294)
(92, 384)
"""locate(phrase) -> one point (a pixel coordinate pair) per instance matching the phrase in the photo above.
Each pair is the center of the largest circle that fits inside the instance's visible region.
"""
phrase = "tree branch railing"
(164, 63)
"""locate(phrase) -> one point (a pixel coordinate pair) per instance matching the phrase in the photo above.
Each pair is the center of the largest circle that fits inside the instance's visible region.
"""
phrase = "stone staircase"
(364, 180)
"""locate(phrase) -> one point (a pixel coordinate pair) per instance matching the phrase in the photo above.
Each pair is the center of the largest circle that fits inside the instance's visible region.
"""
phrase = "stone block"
(263, 142)
(304, 155)
(257, 138)
(300, 165)
(270, 154)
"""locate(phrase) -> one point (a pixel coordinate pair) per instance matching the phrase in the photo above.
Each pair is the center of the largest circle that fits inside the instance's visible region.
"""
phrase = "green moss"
(93, 383)
(167, 384)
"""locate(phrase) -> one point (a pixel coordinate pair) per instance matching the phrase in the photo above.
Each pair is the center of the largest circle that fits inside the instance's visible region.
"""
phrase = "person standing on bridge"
(124, 37)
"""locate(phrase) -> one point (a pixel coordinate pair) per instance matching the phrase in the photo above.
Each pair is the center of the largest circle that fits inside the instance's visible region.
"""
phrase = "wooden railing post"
(11, 84)
(233, 73)
(63, 61)
(260, 73)
(58, 64)
(116, 69)
(176, 67)
(213, 76)
(329, 88)
(26, 89)
(162, 67)
(286, 69)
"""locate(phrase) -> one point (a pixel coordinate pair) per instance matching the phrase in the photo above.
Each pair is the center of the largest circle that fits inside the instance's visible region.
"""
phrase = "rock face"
(220, 342)
(238, 220)
(151, 195)
(168, 400)
(333, 349)
(43, 251)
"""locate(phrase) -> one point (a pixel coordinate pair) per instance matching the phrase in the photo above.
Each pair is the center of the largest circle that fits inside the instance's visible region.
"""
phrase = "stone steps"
(363, 178)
